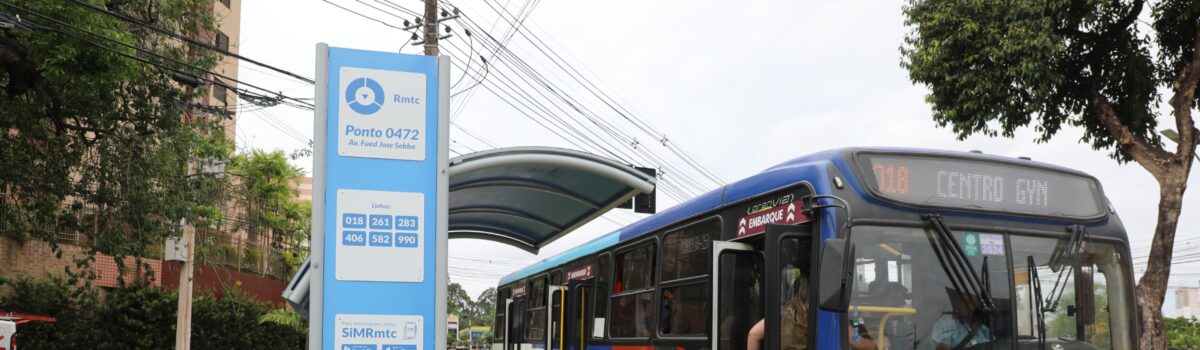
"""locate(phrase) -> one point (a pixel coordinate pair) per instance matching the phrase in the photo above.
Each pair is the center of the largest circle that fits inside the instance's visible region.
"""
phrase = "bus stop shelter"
(526, 197)
(530, 196)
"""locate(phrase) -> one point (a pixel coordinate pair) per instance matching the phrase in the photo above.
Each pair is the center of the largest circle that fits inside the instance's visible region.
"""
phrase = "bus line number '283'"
(391, 133)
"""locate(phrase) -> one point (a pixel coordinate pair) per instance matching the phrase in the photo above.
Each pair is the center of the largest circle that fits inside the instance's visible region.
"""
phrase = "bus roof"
(772, 178)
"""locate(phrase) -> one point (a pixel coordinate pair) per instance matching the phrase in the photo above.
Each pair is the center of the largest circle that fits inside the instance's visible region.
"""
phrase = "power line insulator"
(447, 29)
(467, 31)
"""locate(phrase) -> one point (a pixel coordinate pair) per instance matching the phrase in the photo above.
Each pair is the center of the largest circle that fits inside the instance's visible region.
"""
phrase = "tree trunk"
(1152, 287)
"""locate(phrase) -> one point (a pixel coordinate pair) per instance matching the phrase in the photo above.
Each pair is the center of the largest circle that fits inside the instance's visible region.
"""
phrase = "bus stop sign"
(379, 201)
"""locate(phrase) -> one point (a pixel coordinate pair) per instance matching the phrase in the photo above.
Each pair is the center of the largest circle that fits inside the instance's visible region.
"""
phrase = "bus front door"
(737, 293)
(790, 286)
(753, 283)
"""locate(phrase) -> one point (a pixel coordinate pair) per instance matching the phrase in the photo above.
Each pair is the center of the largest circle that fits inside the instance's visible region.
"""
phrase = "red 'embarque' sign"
(756, 223)
(582, 273)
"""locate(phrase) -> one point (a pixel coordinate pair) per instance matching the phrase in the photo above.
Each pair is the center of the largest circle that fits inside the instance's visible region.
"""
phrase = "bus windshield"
(907, 299)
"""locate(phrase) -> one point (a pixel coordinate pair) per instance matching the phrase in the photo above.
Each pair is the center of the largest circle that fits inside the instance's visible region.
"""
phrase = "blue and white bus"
(892, 248)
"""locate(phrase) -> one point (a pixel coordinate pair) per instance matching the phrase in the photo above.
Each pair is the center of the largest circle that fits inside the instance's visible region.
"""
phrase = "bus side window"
(535, 319)
(600, 308)
(684, 292)
(633, 293)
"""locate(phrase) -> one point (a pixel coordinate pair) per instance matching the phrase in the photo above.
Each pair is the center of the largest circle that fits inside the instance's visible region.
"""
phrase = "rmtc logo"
(364, 95)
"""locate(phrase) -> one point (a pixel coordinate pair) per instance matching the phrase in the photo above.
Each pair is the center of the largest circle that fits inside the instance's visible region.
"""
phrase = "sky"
(739, 89)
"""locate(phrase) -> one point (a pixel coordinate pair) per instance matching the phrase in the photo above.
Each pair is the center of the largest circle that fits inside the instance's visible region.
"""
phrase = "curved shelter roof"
(530, 196)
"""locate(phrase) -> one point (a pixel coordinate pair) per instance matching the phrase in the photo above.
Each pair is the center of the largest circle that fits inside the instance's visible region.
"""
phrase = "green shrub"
(140, 316)
(232, 323)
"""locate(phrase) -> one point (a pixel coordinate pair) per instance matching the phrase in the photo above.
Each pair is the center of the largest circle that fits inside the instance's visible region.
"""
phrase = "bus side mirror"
(836, 275)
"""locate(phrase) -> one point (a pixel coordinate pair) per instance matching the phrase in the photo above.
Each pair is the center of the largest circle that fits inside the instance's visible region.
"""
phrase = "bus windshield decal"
(980, 185)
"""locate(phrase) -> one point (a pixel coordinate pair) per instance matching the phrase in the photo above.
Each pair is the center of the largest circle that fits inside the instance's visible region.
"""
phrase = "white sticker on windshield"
(991, 244)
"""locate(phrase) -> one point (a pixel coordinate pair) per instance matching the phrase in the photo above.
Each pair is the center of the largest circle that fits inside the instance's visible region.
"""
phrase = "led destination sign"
(980, 185)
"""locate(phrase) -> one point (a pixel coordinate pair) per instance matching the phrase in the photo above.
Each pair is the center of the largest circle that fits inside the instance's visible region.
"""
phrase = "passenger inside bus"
(665, 319)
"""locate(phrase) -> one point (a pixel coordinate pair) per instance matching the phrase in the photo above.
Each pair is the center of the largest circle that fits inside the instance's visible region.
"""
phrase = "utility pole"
(183, 317)
(431, 28)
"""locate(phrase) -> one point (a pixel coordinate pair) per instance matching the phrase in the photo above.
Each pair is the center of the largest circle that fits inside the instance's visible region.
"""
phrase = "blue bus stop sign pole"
(379, 201)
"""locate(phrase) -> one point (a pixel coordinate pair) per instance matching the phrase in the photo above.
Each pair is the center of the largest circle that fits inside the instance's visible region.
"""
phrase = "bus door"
(554, 324)
(737, 293)
(576, 316)
(516, 324)
(790, 288)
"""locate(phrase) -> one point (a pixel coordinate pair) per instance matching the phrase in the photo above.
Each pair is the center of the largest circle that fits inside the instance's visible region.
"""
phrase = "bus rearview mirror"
(836, 275)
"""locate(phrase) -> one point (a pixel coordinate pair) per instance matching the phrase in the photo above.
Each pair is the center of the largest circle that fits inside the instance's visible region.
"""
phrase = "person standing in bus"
(793, 332)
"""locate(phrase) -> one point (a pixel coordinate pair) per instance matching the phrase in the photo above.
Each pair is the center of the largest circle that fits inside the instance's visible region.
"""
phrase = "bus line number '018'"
(891, 179)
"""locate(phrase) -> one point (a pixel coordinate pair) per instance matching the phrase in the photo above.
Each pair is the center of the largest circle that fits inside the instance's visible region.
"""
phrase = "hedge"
(138, 316)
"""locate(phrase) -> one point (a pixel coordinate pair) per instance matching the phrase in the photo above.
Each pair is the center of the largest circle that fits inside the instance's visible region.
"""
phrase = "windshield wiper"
(987, 276)
(1063, 260)
(955, 263)
(1035, 305)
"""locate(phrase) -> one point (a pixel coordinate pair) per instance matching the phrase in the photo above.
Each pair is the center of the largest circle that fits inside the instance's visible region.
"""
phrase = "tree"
(264, 189)
(94, 141)
(485, 306)
(994, 66)
(458, 299)
(266, 178)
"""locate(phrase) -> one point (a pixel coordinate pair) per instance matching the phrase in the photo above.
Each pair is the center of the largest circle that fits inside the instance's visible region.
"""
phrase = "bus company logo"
(757, 222)
(364, 96)
(784, 199)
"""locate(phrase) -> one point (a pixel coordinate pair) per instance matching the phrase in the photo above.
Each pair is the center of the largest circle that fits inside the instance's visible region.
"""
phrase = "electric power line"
(295, 102)
(188, 40)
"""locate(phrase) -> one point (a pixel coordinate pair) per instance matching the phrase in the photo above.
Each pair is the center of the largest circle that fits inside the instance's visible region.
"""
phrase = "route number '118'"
(891, 179)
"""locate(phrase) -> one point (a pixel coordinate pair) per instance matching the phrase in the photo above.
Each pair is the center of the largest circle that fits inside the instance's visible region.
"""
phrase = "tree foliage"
(95, 142)
(479, 312)
(264, 182)
(1183, 333)
(995, 66)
